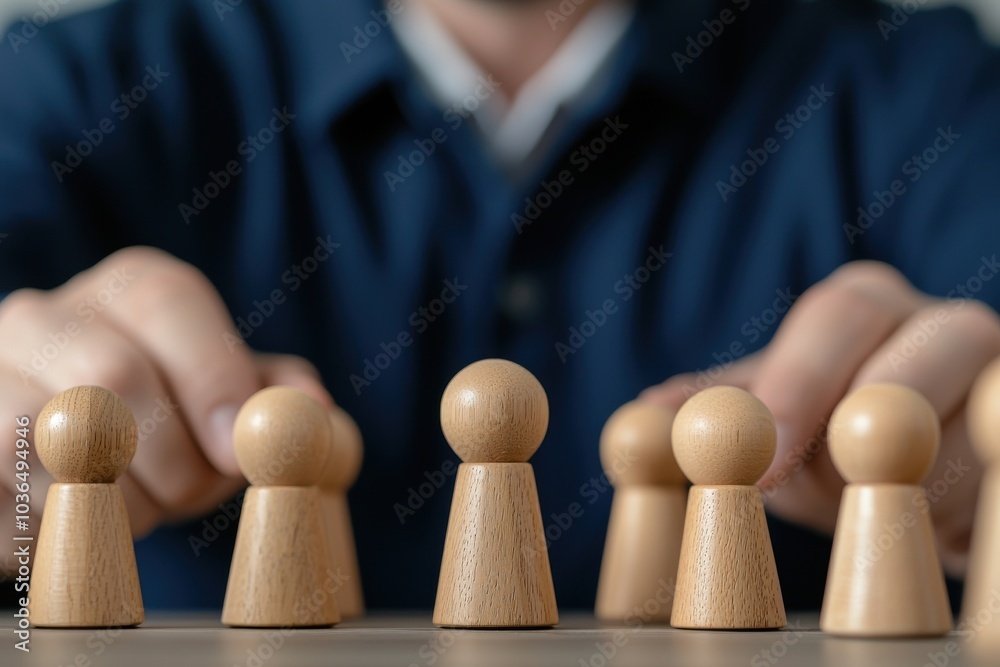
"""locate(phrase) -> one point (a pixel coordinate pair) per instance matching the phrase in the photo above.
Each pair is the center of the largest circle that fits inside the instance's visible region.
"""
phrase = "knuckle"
(841, 297)
(871, 275)
(22, 305)
(980, 324)
(120, 369)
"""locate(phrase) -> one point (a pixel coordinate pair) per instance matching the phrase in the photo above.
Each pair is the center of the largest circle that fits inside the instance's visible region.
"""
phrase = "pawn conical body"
(982, 586)
(885, 577)
(342, 552)
(726, 578)
(84, 572)
(495, 569)
(641, 552)
(280, 570)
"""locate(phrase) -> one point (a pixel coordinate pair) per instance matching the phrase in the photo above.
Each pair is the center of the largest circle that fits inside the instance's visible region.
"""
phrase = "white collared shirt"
(512, 128)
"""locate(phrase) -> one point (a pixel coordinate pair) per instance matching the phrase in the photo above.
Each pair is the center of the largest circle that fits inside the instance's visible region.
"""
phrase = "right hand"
(150, 328)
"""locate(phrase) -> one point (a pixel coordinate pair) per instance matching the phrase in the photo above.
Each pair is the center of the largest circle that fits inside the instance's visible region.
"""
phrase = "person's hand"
(864, 324)
(152, 329)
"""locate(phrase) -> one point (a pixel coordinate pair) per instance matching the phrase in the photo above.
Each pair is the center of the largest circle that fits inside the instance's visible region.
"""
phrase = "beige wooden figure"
(885, 578)
(84, 572)
(279, 575)
(724, 440)
(647, 513)
(495, 569)
(343, 463)
(982, 585)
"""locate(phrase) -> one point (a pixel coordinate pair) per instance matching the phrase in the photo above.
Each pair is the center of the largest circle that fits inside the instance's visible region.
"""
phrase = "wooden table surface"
(411, 640)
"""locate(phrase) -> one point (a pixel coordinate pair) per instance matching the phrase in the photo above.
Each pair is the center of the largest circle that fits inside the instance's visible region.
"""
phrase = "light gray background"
(988, 11)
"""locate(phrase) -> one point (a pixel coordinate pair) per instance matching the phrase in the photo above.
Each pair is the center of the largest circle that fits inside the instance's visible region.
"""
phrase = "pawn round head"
(494, 411)
(724, 436)
(86, 435)
(884, 434)
(343, 461)
(983, 413)
(281, 437)
(636, 447)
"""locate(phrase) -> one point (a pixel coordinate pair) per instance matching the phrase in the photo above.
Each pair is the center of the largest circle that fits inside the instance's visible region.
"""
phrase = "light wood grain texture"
(280, 574)
(643, 544)
(982, 589)
(494, 411)
(641, 553)
(495, 569)
(726, 578)
(885, 576)
(724, 440)
(343, 464)
(727, 436)
(84, 571)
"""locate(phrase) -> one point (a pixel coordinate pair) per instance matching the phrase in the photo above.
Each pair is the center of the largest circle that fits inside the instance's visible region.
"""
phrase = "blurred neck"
(510, 39)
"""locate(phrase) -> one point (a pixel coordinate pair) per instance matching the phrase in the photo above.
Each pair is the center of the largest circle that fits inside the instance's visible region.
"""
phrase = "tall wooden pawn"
(885, 577)
(982, 585)
(84, 571)
(279, 574)
(724, 440)
(495, 569)
(343, 463)
(647, 513)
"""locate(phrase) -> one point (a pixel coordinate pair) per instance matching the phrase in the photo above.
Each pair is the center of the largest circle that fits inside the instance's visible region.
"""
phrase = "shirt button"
(522, 298)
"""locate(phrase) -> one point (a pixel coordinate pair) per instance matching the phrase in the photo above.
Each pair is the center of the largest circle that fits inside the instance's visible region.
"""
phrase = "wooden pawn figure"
(280, 571)
(647, 513)
(885, 578)
(84, 569)
(724, 440)
(982, 585)
(495, 569)
(343, 463)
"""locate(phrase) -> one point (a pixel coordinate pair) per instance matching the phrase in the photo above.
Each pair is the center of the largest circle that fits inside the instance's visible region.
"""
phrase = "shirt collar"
(340, 51)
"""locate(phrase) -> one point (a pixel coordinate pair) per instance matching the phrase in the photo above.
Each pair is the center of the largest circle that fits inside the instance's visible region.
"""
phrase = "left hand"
(864, 324)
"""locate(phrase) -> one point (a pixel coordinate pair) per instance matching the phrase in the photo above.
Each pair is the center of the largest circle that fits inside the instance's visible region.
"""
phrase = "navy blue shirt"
(708, 180)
